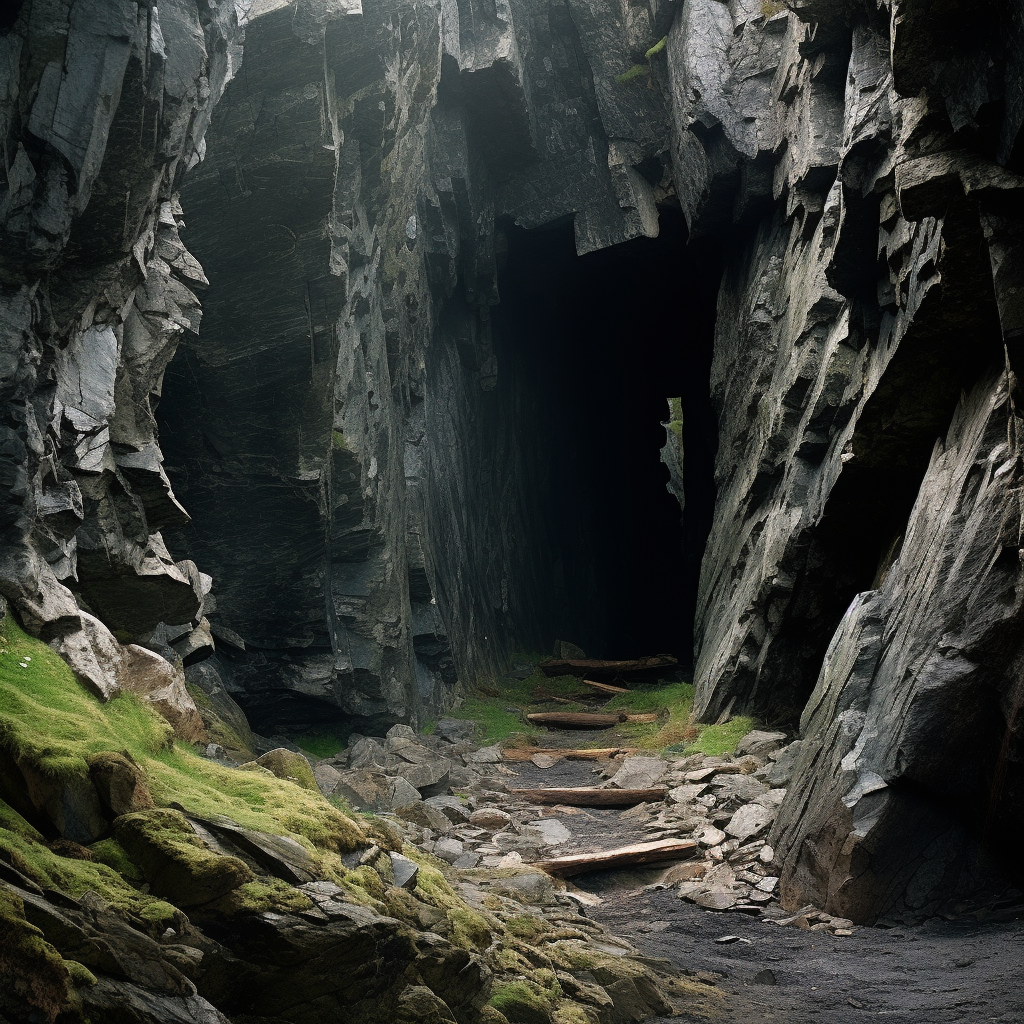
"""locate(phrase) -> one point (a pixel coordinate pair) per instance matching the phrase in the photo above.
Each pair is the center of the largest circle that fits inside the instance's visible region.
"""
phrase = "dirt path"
(942, 972)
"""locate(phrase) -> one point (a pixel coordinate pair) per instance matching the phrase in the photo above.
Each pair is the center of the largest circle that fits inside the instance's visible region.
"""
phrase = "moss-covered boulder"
(35, 982)
(286, 764)
(174, 859)
(120, 783)
(418, 1005)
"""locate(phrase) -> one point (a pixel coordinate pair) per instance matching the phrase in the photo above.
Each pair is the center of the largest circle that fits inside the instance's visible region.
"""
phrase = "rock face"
(356, 478)
(103, 106)
(342, 401)
(849, 398)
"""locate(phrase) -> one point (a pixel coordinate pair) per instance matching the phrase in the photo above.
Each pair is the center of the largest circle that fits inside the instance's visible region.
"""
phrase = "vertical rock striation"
(866, 163)
(103, 106)
(342, 400)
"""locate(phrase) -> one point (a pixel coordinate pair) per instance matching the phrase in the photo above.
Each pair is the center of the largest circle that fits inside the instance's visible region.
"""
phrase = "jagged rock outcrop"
(341, 399)
(856, 312)
(103, 106)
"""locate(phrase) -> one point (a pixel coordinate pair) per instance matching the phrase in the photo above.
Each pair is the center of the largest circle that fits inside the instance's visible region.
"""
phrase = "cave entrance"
(596, 345)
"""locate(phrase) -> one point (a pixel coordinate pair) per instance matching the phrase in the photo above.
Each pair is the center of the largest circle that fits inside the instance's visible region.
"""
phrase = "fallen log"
(597, 754)
(575, 719)
(600, 669)
(604, 687)
(586, 720)
(592, 796)
(624, 856)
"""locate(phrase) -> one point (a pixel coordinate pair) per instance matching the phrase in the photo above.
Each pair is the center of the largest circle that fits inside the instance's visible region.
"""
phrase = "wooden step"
(624, 856)
(600, 669)
(604, 687)
(592, 796)
(598, 754)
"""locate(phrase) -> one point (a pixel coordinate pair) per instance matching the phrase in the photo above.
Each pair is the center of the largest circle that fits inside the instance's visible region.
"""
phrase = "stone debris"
(725, 804)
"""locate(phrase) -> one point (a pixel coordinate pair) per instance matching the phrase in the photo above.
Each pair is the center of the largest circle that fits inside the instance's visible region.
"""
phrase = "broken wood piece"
(604, 687)
(599, 669)
(575, 719)
(592, 796)
(597, 754)
(586, 719)
(623, 856)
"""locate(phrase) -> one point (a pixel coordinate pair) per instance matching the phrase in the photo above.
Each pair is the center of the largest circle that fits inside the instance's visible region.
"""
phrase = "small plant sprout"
(642, 69)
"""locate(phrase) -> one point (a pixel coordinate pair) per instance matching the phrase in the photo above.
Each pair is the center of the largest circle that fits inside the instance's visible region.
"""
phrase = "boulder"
(418, 1005)
(452, 807)
(289, 765)
(69, 806)
(120, 783)
(327, 778)
(449, 850)
(374, 791)
(94, 655)
(405, 871)
(639, 773)
(760, 743)
(492, 818)
(174, 860)
(366, 753)
(749, 821)
(420, 813)
(455, 730)
(430, 778)
(163, 686)
(485, 755)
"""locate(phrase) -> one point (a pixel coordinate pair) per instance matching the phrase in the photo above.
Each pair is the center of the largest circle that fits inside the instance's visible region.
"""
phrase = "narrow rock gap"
(594, 348)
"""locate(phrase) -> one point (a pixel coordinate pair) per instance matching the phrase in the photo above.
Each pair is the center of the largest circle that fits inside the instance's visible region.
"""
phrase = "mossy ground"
(52, 722)
(501, 708)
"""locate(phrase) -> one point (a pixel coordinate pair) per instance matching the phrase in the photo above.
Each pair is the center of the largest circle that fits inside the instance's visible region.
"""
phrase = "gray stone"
(327, 778)
(455, 730)
(749, 821)
(760, 742)
(552, 831)
(639, 773)
(491, 818)
(424, 815)
(485, 755)
(452, 807)
(448, 849)
(405, 871)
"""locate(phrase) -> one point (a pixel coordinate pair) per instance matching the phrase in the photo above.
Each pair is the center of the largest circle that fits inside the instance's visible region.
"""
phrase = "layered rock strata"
(865, 370)
(343, 400)
(103, 107)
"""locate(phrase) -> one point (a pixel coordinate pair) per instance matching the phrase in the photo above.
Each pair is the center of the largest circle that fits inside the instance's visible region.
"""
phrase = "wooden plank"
(597, 754)
(585, 720)
(592, 796)
(604, 687)
(574, 719)
(624, 856)
(599, 669)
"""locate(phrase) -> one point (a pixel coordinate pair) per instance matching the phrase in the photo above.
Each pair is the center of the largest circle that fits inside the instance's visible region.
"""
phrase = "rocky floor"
(713, 916)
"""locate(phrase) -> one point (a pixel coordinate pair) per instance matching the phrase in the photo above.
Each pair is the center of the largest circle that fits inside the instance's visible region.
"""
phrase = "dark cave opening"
(595, 346)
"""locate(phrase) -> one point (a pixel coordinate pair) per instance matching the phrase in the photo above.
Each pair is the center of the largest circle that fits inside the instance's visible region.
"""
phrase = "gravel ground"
(941, 972)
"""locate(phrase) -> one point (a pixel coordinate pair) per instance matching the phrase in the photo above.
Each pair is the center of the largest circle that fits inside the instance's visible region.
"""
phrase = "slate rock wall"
(103, 107)
(865, 162)
(352, 469)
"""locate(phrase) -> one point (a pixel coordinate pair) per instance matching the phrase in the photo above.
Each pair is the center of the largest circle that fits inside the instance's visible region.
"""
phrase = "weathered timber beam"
(592, 796)
(623, 856)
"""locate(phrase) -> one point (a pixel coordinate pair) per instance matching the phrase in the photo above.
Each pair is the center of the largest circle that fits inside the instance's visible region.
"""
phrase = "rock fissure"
(456, 273)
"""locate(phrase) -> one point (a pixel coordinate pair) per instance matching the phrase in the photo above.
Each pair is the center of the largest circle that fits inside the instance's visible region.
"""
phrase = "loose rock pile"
(458, 802)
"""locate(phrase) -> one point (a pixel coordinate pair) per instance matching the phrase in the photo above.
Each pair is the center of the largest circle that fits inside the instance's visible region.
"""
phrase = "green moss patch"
(31, 970)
